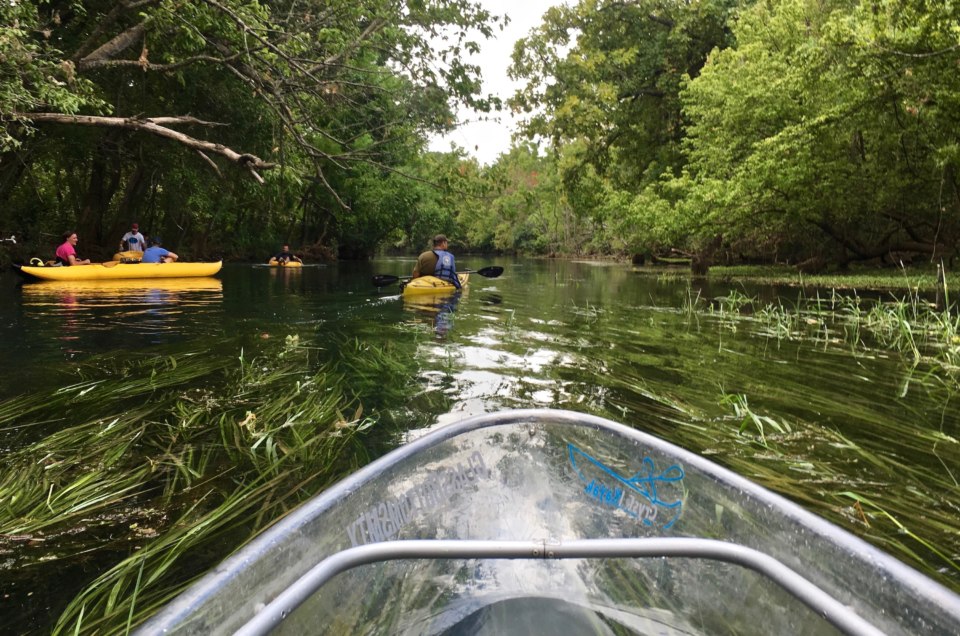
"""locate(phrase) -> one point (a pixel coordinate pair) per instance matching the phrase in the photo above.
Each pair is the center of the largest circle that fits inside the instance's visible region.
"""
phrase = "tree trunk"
(134, 192)
(701, 261)
(103, 184)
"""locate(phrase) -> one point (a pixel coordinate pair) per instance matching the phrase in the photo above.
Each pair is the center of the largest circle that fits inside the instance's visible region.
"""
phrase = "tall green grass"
(873, 488)
(155, 470)
(908, 325)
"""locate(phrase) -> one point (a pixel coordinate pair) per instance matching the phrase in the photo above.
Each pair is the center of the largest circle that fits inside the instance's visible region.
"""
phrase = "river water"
(855, 433)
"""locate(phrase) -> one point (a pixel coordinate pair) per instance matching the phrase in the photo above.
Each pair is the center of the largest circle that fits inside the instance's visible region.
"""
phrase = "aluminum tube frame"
(836, 613)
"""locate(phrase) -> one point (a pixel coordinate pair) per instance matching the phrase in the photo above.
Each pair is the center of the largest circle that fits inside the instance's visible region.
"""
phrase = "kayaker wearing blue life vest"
(437, 262)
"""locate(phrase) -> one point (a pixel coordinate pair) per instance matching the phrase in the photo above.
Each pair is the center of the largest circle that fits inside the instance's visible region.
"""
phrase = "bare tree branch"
(211, 163)
(248, 161)
(90, 64)
(108, 21)
(118, 44)
(373, 27)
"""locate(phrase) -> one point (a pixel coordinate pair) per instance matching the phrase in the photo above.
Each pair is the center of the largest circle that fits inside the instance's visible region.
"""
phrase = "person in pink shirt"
(67, 252)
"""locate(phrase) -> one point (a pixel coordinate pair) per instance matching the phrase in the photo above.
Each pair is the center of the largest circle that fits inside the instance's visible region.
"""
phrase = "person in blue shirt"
(157, 254)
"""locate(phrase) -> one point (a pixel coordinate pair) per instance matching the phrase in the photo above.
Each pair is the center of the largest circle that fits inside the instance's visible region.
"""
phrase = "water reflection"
(640, 348)
(437, 308)
(145, 307)
(491, 299)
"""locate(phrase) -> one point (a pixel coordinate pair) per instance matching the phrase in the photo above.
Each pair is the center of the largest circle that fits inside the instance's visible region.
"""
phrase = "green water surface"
(851, 431)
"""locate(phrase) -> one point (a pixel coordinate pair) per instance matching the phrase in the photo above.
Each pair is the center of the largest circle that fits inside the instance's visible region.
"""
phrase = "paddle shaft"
(382, 280)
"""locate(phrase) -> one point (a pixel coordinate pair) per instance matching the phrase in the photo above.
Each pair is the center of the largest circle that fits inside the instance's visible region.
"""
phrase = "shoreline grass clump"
(918, 330)
(152, 496)
(913, 279)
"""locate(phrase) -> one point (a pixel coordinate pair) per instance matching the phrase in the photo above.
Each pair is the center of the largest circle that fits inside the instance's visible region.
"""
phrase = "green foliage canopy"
(297, 94)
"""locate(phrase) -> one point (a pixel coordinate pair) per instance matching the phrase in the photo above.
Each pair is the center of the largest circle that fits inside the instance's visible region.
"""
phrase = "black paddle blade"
(490, 272)
(382, 280)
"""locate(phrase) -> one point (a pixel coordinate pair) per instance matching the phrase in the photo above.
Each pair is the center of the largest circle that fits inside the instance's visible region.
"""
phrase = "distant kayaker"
(133, 240)
(67, 252)
(437, 262)
(157, 254)
(286, 256)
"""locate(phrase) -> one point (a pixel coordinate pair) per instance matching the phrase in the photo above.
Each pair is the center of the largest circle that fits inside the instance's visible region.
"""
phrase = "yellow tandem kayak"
(119, 270)
(432, 285)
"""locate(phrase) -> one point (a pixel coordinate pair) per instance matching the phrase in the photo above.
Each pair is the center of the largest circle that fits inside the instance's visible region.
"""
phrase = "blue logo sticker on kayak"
(650, 497)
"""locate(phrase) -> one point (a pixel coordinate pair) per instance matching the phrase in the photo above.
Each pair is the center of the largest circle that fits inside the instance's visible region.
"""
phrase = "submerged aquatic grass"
(876, 454)
(750, 420)
(870, 505)
(210, 456)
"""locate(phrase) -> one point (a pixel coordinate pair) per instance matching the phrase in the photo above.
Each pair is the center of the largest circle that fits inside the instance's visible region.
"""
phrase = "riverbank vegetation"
(927, 342)
(900, 282)
(807, 134)
(927, 337)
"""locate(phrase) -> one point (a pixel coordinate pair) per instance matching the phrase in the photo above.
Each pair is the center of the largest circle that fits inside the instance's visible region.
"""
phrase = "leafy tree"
(603, 85)
(307, 91)
(824, 132)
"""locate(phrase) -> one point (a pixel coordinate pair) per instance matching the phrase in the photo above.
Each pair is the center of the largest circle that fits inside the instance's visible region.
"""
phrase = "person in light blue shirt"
(157, 254)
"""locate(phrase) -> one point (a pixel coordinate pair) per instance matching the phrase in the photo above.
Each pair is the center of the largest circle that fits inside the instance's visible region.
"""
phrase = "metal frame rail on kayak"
(835, 612)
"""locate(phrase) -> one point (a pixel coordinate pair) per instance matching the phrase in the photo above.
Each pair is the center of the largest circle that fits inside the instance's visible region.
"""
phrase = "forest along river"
(813, 411)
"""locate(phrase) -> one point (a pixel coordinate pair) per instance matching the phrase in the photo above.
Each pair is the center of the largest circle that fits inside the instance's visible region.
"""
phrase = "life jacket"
(446, 269)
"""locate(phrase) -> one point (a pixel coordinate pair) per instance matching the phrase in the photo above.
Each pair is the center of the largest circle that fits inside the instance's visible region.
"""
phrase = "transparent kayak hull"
(556, 522)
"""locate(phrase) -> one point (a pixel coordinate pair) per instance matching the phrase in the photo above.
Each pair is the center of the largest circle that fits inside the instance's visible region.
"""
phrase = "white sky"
(486, 140)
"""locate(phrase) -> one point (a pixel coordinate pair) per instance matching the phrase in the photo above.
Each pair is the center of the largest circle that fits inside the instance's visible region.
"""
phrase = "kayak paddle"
(491, 271)
(382, 280)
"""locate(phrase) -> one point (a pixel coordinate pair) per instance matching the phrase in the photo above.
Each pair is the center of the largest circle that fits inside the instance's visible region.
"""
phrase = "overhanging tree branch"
(118, 44)
(158, 126)
(104, 24)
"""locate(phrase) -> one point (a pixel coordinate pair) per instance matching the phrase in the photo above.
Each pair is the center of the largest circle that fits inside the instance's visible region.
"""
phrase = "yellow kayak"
(115, 269)
(275, 263)
(129, 255)
(432, 285)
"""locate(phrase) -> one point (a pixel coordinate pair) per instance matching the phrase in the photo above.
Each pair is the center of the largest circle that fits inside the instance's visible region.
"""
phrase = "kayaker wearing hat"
(133, 240)
(157, 254)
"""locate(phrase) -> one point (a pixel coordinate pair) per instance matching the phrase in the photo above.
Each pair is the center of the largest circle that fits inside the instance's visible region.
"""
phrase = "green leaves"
(817, 119)
(328, 89)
